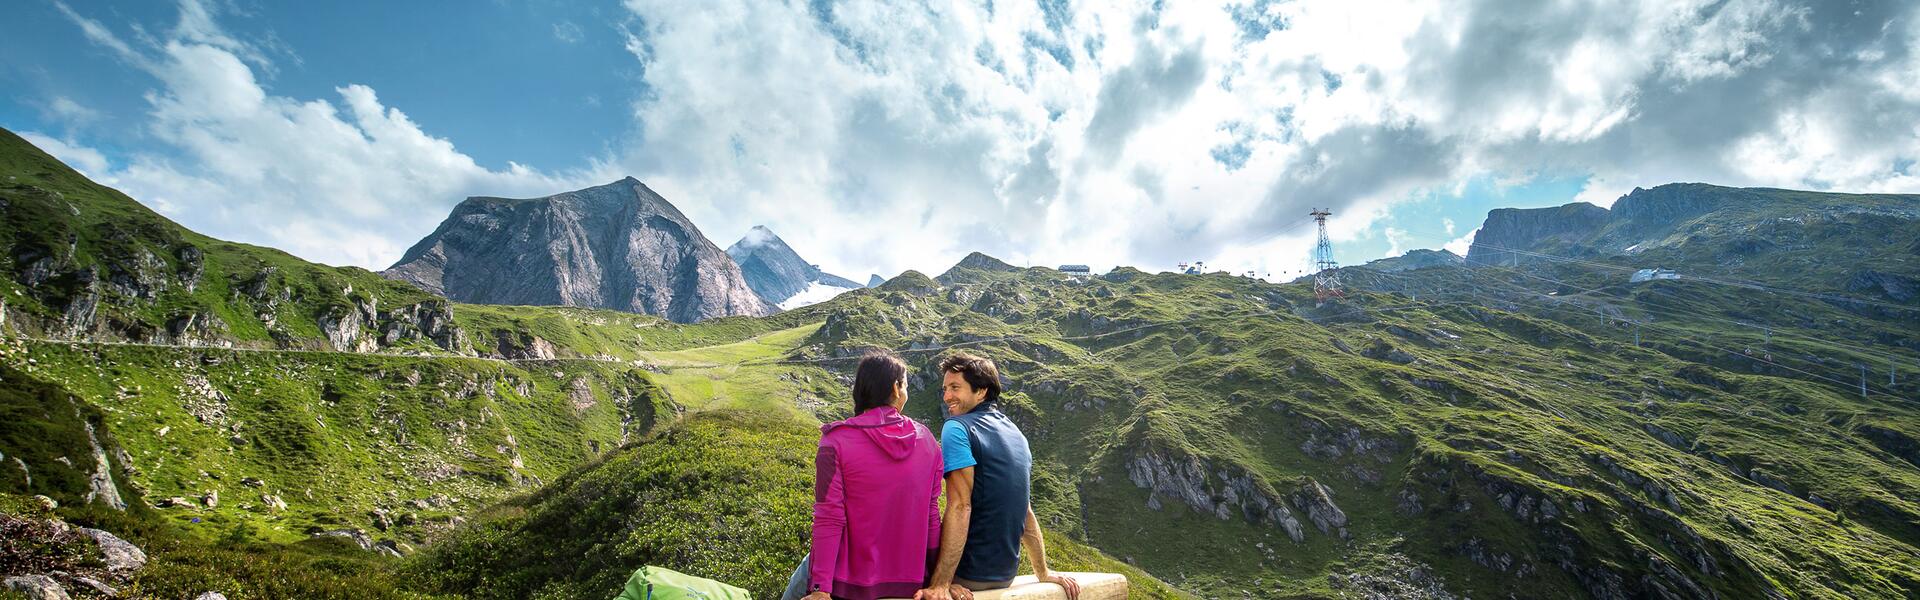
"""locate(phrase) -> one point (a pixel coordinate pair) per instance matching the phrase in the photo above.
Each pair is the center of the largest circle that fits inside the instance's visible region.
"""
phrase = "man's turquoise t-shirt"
(955, 450)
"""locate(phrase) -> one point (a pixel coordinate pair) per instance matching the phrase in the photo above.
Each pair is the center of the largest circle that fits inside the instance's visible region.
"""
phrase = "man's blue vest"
(1002, 473)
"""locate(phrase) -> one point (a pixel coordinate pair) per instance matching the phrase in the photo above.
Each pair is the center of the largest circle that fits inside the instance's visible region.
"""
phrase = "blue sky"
(880, 136)
(545, 84)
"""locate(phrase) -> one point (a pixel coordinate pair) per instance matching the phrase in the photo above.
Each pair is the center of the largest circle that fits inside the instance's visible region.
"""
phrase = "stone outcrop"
(618, 246)
(363, 327)
(36, 587)
(1220, 492)
(100, 487)
(120, 555)
(1315, 500)
(1529, 228)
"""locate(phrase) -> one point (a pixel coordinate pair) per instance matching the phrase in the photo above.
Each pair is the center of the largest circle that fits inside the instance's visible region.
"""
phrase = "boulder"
(36, 587)
(121, 556)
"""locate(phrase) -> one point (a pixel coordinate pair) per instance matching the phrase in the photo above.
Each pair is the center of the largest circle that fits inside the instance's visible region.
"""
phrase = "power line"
(1766, 360)
(1559, 303)
(1882, 354)
(1753, 285)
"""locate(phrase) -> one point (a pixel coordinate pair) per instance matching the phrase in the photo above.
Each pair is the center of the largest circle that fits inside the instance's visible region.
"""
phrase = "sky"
(877, 137)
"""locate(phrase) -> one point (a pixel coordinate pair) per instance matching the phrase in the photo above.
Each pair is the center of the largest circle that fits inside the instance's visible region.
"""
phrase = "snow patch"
(815, 293)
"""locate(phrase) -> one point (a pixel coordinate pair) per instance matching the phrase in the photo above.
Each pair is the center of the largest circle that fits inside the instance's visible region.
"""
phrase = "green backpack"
(655, 583)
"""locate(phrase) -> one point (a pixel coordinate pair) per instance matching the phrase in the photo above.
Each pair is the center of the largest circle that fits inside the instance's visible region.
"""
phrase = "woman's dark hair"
(873, 381)
(977, 370)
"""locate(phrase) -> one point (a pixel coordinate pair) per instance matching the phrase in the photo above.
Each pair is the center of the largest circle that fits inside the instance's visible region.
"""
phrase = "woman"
(876, 527)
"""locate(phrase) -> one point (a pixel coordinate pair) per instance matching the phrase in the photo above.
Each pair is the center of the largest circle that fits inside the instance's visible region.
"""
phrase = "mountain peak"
(774, 270)
(976, 261)
(603, 246)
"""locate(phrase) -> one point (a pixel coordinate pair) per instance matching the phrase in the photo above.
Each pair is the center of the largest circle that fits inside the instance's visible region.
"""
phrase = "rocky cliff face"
(1526, 229)
(774, 270)
(618, 246)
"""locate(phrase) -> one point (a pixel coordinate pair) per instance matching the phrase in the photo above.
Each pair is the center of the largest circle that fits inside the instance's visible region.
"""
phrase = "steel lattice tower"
(1326, 280)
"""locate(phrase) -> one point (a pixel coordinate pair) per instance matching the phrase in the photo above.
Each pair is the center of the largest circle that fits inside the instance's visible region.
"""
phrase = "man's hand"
(817, 596)
(1072, 587)
(950, 592)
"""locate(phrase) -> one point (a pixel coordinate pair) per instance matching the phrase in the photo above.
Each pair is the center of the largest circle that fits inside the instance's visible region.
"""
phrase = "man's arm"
(953, 527)
(1037, 549)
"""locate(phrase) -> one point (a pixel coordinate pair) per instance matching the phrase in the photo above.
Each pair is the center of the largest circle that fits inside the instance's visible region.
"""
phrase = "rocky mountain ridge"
(619, 246)
(775, 271)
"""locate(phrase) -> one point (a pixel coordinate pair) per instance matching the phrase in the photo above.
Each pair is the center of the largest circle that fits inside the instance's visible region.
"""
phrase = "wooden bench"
(1093, 586)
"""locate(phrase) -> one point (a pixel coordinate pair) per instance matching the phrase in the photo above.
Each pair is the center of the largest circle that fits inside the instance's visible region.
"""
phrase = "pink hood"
(889, 431)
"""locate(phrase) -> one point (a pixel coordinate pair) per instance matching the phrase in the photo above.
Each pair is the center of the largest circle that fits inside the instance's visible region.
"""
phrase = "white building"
(1652, 274)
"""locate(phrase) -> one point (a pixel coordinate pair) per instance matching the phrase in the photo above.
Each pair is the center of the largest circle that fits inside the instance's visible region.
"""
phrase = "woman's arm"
(829, 517)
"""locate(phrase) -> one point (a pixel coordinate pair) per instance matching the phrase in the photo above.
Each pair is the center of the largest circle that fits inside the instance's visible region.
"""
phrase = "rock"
(1317, 502)
(520, 345)
(211, 596)
(273, 502)
(211, 499)
(1523, 229)
(342, 326)
(1671, 438)
(1762, 477)
(388, 547)
(251, 482)
(100, 487)
(46, 503)
(121, 556)
(1895, 287)
(359, 537)
(1407, 503)
(36, 587)
(98, 587)
(1185, 478)
(173, 502)
(380, 519)
(1381, 350)
(1337, 343)
(580, 393)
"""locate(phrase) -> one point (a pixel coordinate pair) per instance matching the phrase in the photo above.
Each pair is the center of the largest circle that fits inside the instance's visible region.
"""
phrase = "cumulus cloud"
(1153, 133)
(883, 136)
(345, 181)
(86, 160)
(1462, 244)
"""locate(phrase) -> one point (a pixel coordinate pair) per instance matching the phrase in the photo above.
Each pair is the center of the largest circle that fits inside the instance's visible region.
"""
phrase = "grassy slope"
(426, 438)
(80, 227)
(1534, 402)
(1518, 406)
(723, 493)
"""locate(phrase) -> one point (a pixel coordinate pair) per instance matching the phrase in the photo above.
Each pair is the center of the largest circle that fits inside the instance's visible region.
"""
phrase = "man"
(988, 468)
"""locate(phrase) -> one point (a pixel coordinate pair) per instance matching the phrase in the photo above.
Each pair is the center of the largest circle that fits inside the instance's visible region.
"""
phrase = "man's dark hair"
(977, 370)
(873, 381)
